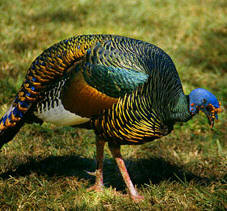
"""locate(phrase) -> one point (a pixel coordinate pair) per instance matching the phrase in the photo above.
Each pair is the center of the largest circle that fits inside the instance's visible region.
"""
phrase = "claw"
(91, 173)
(96, 187)
(137, 198)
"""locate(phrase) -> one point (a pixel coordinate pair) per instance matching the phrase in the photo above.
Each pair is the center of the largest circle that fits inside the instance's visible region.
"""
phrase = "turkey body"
(127, 90)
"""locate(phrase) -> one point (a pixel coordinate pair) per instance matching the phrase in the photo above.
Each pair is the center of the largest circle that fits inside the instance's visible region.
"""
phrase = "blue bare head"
(201, 99)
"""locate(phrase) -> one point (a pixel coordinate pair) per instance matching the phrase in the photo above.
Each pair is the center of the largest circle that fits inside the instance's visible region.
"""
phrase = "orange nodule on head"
(219, 110)
(215, 110)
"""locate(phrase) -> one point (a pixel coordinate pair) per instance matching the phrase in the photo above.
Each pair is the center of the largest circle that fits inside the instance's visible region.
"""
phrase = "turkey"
(126, 90)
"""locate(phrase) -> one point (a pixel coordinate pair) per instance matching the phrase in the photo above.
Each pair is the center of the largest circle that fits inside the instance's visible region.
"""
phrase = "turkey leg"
(115, 150)
(98, 186)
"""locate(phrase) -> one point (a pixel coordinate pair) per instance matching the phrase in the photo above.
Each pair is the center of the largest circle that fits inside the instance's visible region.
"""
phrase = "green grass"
(45, 167)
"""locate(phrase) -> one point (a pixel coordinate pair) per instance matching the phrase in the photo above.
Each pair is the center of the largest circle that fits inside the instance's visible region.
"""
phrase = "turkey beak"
(210, 117)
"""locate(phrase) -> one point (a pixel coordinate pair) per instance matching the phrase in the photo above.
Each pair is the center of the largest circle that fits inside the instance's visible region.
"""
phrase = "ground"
(46, 167)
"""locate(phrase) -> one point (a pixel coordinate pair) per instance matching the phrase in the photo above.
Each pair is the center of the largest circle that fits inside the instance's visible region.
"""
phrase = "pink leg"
(98, 186)
(115, 150)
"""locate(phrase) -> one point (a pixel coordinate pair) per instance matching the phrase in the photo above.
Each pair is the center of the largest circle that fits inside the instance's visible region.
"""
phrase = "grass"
(44, 167)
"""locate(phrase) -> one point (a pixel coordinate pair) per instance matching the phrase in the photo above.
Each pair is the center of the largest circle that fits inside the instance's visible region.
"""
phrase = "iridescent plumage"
(127, 90)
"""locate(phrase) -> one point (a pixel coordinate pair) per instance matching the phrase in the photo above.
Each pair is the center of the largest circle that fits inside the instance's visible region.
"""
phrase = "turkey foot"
(98, 186)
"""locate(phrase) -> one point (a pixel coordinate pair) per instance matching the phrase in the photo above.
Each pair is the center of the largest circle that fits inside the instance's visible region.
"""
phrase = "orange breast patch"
(84, 100)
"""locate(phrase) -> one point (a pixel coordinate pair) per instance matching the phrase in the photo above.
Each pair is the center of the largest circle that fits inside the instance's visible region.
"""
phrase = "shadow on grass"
(142, 171)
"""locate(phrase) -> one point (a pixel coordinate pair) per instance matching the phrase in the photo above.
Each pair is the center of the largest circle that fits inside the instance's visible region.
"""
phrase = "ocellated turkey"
(126, 90)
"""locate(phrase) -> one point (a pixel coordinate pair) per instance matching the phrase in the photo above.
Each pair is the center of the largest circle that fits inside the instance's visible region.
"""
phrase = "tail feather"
(20, 112)
(10, 124)
(9, 132)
